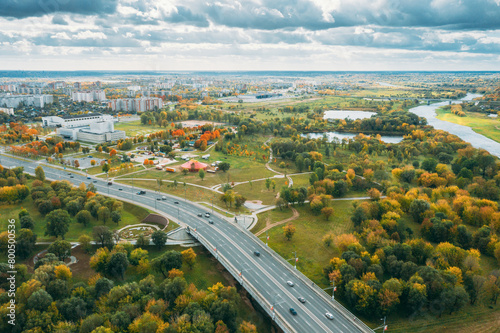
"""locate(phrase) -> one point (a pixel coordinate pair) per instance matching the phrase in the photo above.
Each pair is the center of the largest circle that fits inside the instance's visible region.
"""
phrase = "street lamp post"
(383, 326)
(267, 238)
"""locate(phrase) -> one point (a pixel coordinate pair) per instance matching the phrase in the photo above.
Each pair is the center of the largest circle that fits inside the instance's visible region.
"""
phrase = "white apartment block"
(13, 101)
(7, 111)
(29, 90)
(135, 104)
(88, 96)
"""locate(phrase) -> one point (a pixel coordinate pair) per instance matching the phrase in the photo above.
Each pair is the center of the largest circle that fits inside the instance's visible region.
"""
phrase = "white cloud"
(60, 35)
(90, 35)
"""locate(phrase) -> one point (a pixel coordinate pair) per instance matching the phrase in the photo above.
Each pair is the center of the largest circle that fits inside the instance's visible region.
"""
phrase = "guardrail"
(320, 292)
(266, 305)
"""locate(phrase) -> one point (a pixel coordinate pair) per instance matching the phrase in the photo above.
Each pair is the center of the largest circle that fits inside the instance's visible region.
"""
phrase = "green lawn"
(310, 229)
(301, 180)
(242, 169)
(479, 122)
(134, 128)
(272, 216)
(258, 190)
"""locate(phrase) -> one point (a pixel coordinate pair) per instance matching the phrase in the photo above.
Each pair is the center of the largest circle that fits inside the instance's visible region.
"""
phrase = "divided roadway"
(265, 273)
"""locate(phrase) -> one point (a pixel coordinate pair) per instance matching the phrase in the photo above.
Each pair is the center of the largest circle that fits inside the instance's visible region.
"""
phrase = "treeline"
(52, 301)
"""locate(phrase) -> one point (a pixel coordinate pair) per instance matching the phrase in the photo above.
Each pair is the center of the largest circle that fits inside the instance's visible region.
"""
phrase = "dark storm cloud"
(59, 20)
(27, 8)
(447, 14)
(268, 16)
(185, 15)
(308, 14)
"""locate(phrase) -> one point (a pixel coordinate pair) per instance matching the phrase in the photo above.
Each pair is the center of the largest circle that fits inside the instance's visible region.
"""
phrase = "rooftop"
(82, 115)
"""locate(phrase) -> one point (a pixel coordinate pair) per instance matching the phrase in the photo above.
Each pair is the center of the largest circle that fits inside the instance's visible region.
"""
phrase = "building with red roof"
(194, 166)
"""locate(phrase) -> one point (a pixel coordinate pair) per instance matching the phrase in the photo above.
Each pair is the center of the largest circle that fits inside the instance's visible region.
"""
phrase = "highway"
(265, 273)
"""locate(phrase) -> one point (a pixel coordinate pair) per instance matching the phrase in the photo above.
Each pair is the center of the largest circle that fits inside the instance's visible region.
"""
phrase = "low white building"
(91, 127)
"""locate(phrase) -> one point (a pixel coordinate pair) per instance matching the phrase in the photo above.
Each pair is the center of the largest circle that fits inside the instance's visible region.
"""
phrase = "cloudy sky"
(250, 35)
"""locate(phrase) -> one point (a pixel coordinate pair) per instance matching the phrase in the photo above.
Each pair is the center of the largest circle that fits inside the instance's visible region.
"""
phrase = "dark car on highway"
(141, 192)
(292, 311)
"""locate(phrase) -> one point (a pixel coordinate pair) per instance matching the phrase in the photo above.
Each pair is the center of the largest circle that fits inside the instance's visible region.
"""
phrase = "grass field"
(134, 128)
(479, 122)
(258, 191)
(242, 169)
(271, 216)
(301, 180)
(310, 229)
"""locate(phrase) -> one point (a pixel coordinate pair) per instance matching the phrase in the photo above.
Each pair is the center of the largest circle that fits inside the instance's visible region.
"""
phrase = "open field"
(479, 122)
(258, 191)
(310, 229)
(271, 216)
(134, 128)
(242, 169)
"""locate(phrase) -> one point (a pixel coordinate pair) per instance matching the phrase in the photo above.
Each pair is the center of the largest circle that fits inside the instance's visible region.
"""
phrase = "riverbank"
(464, 132)
(480, 123)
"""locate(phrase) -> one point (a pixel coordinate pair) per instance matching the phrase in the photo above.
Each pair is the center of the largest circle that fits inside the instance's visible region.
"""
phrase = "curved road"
(266, 273)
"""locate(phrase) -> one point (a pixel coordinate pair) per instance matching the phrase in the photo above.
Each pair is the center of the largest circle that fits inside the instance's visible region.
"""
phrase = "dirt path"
(269, 226)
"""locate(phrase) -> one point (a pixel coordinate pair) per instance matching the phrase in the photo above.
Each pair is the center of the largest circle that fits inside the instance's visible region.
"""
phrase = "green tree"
(169, 260)
(117, 264)
(39, 173)
(159, 238)
(268, 183)
(105, 167)
(61, 248)
(103, 214)
(201, 173)
(27, 222)
(313, 178)
(103, 236)
(429, 164)
(26, 241)
(83, 217)
(299, 163)
(226, 311)
(224, 166)
(73, 309)
(418, 207)
(57, 223)
(116, 216)
(40, 300)
(85, 243)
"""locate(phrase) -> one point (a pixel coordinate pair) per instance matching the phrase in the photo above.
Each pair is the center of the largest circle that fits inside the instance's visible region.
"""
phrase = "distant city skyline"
(195, 35)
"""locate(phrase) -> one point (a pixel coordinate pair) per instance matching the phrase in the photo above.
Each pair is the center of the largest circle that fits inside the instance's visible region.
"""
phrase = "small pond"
(344, 114)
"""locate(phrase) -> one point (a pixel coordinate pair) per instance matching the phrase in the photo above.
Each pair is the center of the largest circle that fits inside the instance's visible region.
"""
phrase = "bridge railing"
(266, 305)
(320, 292)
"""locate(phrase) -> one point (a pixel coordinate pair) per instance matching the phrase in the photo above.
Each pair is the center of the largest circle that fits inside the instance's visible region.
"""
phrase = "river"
(464, 132)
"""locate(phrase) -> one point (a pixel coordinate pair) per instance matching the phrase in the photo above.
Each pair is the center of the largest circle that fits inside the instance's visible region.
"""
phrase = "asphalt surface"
(265, 273)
